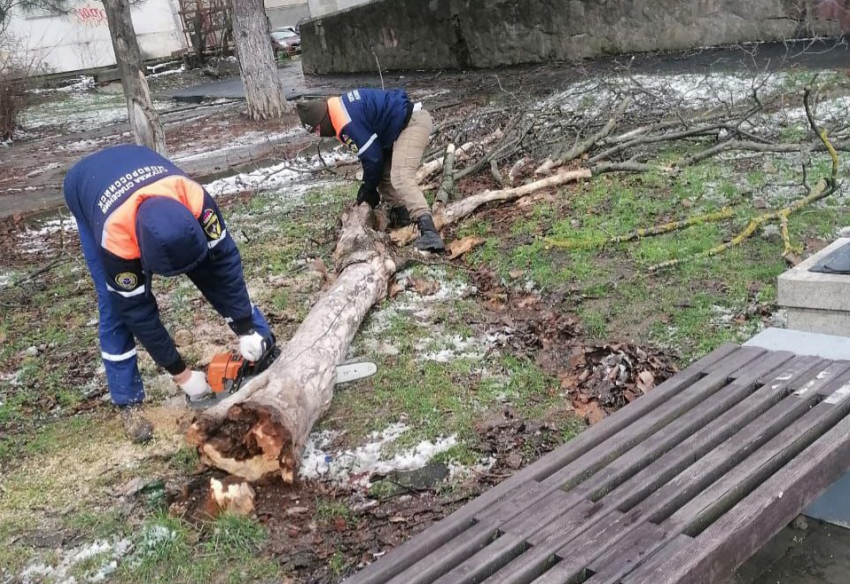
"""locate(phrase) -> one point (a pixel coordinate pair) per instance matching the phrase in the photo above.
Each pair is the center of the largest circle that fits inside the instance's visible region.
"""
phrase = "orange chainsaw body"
(224, 370)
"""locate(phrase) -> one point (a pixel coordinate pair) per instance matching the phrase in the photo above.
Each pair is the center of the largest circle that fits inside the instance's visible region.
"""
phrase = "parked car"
(285, 40)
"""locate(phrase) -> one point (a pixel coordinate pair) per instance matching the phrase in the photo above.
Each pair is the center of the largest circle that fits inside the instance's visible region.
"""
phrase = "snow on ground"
(594, 96)
(246, 139)
(64, 569)
(33, 240)
(80, 111)
(355, 467)
(286, 174)
(436, 344)
(412, 304)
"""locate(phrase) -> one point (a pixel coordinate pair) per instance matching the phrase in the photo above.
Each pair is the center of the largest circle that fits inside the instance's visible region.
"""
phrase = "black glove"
(368, 195)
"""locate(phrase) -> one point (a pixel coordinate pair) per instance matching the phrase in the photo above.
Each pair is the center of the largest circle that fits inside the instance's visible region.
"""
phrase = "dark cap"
(171, 240)
(314, 114)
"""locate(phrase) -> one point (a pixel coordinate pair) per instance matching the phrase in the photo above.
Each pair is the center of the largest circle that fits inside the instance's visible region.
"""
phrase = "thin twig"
(36, 273)
(378, 63)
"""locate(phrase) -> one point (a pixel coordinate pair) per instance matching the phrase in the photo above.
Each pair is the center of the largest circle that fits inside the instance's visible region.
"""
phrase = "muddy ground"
(485, 362)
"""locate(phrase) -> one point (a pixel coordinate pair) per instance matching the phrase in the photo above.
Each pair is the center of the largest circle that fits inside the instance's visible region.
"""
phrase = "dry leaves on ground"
(423, 286)
(460, 247)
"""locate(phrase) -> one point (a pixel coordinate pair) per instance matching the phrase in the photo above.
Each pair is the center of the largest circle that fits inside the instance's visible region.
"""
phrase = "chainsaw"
(228, 372)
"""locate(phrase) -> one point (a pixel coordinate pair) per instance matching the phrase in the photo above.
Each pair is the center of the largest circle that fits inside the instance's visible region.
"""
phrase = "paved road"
(295, 85)
(818, 55)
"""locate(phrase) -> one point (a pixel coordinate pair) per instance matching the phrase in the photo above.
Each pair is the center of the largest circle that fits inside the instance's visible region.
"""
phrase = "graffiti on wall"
(89, 15)
(838, 10)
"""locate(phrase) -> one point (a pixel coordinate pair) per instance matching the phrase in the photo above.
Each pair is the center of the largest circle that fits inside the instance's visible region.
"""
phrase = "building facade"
(80, 39)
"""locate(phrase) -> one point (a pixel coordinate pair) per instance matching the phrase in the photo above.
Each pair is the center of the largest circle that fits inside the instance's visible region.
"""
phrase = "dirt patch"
(321, 533)
(599, 379)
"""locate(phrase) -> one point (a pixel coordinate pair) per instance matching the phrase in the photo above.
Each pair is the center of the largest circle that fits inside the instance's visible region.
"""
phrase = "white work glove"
(195, 385)
(251, 346)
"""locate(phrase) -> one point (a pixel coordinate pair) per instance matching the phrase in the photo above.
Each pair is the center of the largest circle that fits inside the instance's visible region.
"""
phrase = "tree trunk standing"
(145, 122)
(263, 89)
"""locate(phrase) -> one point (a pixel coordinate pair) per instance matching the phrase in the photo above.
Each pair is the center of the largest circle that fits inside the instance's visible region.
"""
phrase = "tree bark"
(261, 430)
(144, 120)
(263, 89)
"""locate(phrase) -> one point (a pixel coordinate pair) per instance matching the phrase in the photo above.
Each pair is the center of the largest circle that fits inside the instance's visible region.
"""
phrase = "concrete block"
(802, 343)
(800, 288)
(827, 322)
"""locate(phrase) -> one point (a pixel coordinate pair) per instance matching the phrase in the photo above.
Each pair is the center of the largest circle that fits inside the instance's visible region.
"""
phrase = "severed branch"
(463, 208)
(820, 191)
(663, 228)
(585, 146)
(735, 144)
(823, 189)
(447, 184)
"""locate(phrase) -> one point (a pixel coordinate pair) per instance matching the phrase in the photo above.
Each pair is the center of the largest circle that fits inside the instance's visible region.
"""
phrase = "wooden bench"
(681, 486)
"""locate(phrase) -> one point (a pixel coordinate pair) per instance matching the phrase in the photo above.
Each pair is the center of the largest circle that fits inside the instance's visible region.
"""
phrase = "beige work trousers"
(398, 186)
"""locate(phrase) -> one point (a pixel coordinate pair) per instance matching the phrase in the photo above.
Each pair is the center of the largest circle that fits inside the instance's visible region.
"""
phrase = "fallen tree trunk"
(261, 430)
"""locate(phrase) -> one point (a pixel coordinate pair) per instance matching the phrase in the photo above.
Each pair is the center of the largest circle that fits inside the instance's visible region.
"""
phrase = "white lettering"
(126, 184)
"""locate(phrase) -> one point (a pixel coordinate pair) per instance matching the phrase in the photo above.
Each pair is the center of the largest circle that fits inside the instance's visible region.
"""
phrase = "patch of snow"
(246, 139)
(112, 551)
(460, 472)
(33, 240)
(286, 174)
(155, 70)
(594, 96)
(413, 304)
(155, 535)
(43, 169)
(87, 145)
(355, 467)
(80, 111)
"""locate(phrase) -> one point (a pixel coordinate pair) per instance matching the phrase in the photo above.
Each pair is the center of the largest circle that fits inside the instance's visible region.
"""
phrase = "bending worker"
(139, 215)
(389, 134)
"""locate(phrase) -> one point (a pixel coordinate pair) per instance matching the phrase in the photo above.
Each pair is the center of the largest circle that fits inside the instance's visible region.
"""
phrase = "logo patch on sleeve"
(126, 280)
(211, 224)
(350, 143)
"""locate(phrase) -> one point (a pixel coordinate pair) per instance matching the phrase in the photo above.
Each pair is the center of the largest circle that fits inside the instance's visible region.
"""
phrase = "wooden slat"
(602, 526)
(631, 552)
(580, 550)
(660, 560)
(727, 543)
(485, 562)
(684, 427)
(426, 542)
(706, 441)
(656, 419)
(672, 463)
(733, 486)
(539, 558)
(448, 556)
(725, 456)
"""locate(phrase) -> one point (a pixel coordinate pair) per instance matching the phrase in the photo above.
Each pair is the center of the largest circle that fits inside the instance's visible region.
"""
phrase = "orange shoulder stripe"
(339, 114)
(119, 231)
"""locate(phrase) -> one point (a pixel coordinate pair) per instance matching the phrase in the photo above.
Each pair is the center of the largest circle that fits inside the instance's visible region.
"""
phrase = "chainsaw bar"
(346, 373)
(355, 371)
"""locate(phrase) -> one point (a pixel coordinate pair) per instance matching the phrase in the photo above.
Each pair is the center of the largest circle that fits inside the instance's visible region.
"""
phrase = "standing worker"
(138, 215)
(389, 134)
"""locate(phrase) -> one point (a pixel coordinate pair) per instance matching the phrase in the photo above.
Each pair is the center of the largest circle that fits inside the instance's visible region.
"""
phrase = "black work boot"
(399, 217)
(429, 238)
(136, 427)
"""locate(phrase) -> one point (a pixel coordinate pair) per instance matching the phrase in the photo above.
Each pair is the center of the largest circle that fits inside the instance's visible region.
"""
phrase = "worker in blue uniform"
(139, 215)
(389, 133)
